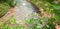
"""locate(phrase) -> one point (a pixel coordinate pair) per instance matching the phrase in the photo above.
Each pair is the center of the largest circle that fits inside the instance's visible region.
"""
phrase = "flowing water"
(24, 11)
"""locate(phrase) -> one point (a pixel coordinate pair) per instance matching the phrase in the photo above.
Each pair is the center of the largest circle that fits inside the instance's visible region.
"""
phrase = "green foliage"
(51, 7)
(13, 27)
(3, 9)
(12, 20)
(40, 23)
(5, 5)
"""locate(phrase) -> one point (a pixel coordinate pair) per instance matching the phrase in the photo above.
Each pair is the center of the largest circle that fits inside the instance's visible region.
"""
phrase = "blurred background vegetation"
(5, 5)
(49, 16)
